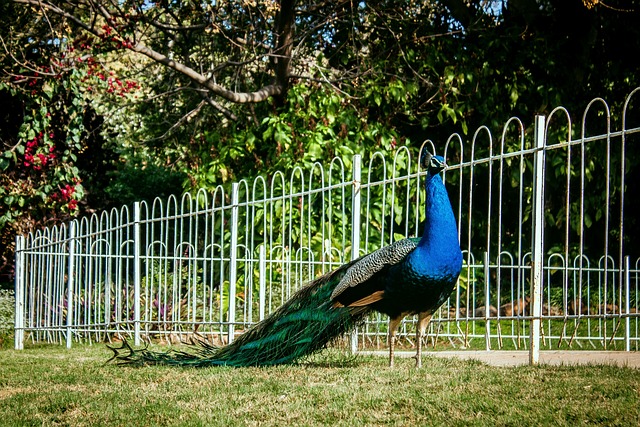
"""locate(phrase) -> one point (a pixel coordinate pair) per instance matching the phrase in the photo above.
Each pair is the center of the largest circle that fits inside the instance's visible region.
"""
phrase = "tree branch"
(237, 97)
(186, 118)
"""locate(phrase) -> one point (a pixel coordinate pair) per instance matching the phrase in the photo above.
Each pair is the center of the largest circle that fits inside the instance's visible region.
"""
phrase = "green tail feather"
(306, 323)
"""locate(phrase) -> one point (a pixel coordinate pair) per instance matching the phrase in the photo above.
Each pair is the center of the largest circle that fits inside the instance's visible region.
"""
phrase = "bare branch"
(186, 118)
(227, 113)
(60, 12)
(166, 27)
(260, 95)
(24, 65)
(237, 97)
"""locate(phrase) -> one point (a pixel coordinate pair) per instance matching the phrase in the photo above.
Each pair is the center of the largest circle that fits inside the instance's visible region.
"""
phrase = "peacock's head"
(433, 164)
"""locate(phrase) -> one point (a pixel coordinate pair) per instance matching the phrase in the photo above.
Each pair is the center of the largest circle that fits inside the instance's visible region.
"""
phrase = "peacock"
(410, 276)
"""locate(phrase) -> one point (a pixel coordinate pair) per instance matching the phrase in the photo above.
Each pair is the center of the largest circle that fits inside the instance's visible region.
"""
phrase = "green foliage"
(40, 180)
(55, 162)
(364, 77)
(133, 183)
(49, 140)
(7, 306)
(317, 125)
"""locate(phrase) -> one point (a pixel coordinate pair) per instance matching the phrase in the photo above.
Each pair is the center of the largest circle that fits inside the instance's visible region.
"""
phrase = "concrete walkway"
(547, 357)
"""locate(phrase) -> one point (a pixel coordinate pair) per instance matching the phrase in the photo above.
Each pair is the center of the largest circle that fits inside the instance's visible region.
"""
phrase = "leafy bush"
(7, 304)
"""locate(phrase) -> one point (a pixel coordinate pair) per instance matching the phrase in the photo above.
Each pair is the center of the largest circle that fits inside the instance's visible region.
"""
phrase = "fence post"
(355, 226)
(19, 292)
(627, 291)
(487, 302)
(262, 278)
(71, 280)
(537, 272)
(136, 273)
(233, 259)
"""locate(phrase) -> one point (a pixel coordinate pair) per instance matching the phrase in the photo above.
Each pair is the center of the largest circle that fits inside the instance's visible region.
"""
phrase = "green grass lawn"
(49, 385)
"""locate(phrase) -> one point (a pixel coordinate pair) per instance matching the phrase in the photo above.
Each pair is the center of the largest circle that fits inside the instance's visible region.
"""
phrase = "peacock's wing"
(363, 269)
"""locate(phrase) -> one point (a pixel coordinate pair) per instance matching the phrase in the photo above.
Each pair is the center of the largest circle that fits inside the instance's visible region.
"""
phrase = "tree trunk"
(285, 28)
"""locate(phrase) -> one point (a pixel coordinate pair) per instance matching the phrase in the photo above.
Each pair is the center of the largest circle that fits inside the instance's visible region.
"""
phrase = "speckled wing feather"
(369, 265)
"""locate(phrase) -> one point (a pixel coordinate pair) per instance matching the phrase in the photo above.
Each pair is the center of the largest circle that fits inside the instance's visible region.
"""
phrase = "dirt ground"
(547, 357)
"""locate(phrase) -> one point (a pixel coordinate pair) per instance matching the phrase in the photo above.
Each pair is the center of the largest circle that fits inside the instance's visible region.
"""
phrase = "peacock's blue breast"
(423, 282)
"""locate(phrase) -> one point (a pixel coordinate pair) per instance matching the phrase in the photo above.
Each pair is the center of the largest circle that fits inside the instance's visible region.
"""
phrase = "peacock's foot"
(418, 361)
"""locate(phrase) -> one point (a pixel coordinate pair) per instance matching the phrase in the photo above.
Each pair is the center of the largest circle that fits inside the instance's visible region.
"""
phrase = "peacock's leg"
(423, 321)
(394, 322)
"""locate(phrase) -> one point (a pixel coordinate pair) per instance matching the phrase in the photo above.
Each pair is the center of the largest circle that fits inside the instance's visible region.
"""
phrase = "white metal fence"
(542, 223)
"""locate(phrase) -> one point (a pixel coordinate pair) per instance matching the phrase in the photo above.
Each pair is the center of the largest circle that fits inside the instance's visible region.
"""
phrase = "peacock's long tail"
(306, 323)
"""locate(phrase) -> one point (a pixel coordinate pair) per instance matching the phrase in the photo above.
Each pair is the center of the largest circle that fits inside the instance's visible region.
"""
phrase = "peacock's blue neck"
(438, 252)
